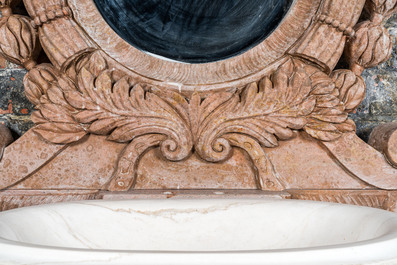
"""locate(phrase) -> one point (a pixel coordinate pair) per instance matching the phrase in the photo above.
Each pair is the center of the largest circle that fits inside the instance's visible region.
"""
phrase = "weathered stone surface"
(15, 109)
(100, 120)
(380, 103)
(379, 106)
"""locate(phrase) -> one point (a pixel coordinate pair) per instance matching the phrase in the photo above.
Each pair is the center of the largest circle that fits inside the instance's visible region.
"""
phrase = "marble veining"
(218, 231)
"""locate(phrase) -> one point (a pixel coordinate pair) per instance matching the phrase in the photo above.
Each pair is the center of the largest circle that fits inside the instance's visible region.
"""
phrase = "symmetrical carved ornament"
(86, 91)
(88, 97)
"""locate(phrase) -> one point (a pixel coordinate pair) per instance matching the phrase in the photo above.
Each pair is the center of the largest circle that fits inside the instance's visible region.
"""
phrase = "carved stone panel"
(271, 115)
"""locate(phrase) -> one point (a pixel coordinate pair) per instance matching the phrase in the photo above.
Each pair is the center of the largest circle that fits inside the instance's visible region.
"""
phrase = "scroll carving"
(85, 91)
(89, 97)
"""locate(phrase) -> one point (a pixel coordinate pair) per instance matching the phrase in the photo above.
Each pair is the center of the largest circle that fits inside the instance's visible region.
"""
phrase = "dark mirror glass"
(194, 31)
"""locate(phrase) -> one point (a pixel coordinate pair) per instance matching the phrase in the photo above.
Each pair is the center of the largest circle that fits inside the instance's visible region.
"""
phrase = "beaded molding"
(52, 13)
(342, 27)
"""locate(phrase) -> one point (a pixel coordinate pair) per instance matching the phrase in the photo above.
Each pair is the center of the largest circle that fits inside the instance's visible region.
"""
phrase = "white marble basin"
(212, 232)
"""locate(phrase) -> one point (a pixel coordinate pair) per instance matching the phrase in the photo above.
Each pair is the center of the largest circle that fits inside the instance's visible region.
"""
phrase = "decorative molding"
(233, 72)
(342, 27)
(284, 90)
(370, 198)
(89, 97)
(15, 199)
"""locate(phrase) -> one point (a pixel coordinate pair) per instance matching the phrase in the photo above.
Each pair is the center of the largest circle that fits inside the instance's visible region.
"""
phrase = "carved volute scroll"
(90, 94)
(91, 98)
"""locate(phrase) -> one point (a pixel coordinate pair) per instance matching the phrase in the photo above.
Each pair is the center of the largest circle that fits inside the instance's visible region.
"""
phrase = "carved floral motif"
(88, 96)
(86, 92)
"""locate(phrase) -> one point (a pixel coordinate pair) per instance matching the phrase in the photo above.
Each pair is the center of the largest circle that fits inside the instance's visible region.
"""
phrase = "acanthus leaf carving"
(125, 111)
(45, 87)
(94, 94)
(329, 119)
(88, 96)
(267, 111)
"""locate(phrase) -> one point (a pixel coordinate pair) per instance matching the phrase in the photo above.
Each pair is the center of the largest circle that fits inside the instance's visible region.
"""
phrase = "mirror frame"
(278, 112)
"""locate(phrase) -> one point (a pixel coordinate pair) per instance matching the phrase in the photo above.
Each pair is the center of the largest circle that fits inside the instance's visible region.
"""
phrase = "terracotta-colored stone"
(15, 199)
(384, 139)
(115, 122)
(372, 198)
(5, 138)
(194, 173)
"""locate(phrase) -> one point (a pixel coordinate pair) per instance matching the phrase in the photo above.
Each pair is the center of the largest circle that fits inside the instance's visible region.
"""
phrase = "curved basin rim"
(374, 241)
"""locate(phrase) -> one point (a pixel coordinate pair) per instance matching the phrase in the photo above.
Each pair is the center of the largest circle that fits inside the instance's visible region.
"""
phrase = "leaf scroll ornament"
(297, 96)
(99, 102)
(89, 96)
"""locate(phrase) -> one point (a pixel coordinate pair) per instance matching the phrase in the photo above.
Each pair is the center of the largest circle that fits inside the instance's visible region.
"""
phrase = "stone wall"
(15, 109)
(379, 106)
(380, 103)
